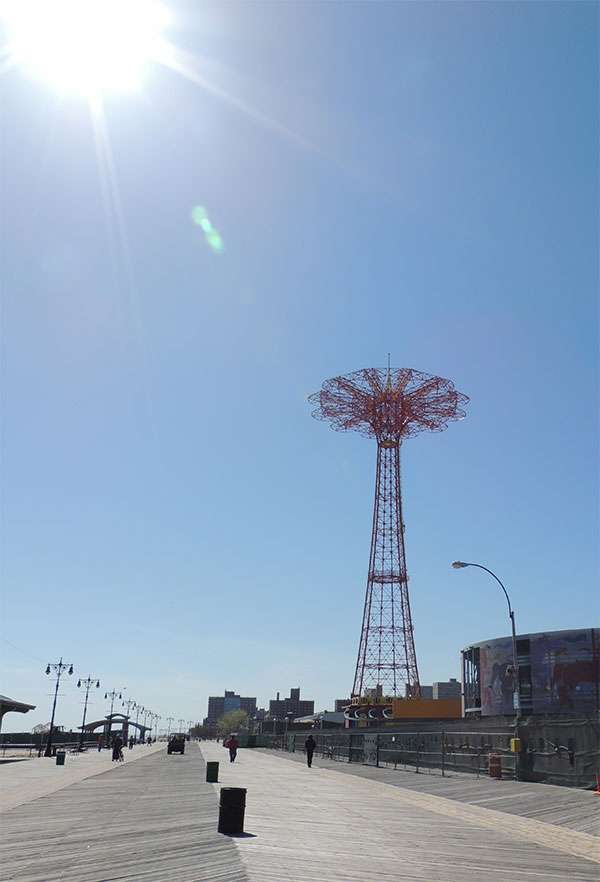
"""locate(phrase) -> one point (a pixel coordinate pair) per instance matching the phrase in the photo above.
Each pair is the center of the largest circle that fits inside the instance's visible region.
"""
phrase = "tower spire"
(387, 663)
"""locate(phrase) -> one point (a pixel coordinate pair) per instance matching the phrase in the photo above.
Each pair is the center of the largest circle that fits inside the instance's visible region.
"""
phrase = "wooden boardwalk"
(27, 780)
(562, 806)
(154, 820)
(325, 826)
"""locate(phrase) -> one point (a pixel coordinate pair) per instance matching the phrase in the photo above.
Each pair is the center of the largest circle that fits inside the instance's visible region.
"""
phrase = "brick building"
(294, 705)
(222, 704)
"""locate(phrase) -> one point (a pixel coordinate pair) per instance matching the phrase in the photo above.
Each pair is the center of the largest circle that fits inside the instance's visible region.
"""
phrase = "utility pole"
(59, 669)
(87, 684)
(169, 721)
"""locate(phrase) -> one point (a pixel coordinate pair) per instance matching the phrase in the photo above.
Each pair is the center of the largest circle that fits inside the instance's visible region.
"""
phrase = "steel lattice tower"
(388, 405)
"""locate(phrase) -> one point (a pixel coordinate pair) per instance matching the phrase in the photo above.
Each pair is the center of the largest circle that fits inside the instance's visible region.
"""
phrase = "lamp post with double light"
(113, 694)
(59, 669)
(147, 712)
(138, 710)
(129, 705)
(87, 685)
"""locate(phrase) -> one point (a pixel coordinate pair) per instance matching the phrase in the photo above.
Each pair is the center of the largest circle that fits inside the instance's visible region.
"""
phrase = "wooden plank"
(22, 782)
(562, 806)
(325, 826)
(153, 820)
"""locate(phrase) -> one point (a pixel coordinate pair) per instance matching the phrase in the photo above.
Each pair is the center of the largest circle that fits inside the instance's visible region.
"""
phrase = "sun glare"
(87, 47)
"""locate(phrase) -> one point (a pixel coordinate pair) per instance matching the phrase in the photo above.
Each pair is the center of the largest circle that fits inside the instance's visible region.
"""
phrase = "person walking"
(309, 747)
(232, 745)
(131, 742)
(116, 748)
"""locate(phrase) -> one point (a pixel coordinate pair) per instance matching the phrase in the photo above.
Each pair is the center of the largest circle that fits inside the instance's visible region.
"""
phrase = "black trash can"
(60, 757)
(232, 807)
(212, 773)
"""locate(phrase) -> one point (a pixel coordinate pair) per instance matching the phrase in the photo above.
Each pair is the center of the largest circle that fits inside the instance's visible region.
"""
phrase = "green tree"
(232, 722)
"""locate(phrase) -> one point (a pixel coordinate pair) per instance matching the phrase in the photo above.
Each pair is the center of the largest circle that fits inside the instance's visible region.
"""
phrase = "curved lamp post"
(458, 565)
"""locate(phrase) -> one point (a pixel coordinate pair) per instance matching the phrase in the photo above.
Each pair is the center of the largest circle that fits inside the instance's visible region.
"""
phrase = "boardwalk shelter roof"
(8, 705)
(118, 719)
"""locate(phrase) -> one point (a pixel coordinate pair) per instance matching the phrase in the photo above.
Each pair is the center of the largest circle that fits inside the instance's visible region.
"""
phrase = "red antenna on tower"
(388, 405)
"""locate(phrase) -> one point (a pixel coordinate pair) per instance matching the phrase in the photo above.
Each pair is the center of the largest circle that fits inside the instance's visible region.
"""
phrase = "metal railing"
(429, 752)
(31, 748)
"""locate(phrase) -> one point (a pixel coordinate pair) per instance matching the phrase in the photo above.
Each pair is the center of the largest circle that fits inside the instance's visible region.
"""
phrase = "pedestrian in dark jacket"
(117, 748)
(232, 744)
(309, 747)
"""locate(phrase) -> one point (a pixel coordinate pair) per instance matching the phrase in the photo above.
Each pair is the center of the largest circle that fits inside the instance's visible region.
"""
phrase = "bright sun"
(87, 47)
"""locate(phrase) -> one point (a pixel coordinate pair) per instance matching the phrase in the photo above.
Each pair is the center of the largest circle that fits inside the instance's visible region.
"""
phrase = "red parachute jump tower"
(388, 405)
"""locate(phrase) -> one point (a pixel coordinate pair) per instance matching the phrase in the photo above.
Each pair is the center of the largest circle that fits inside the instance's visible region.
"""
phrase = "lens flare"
(212, 236)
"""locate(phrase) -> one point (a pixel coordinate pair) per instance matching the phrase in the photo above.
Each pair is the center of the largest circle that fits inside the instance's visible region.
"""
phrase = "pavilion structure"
(120, 723)
(10, 705)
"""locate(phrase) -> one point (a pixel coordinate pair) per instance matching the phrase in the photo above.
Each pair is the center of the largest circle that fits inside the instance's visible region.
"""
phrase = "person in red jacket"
(232, 744)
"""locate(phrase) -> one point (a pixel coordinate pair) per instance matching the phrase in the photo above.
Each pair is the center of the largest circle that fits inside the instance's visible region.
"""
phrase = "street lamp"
(59, 669)
(146, 713)
(129, 704)
(138, 710)
(458, 565)
(112, 695)
(87, 684)
(169, 721)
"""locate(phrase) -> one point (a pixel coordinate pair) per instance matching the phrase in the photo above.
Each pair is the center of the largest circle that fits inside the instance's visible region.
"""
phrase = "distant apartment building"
(279, 708)
(426, 691)
(340, 704)
(222, 704)
(448, 689)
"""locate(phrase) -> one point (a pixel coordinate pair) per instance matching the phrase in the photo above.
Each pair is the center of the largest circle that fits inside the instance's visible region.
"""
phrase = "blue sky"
(419, 179)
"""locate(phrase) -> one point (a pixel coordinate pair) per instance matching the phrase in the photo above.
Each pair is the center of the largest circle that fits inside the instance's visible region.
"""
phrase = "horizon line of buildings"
(294, 706)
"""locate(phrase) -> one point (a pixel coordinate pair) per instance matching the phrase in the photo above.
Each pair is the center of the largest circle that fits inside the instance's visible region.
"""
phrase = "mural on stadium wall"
(564, 668)
(496, 677)
(559, 672)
